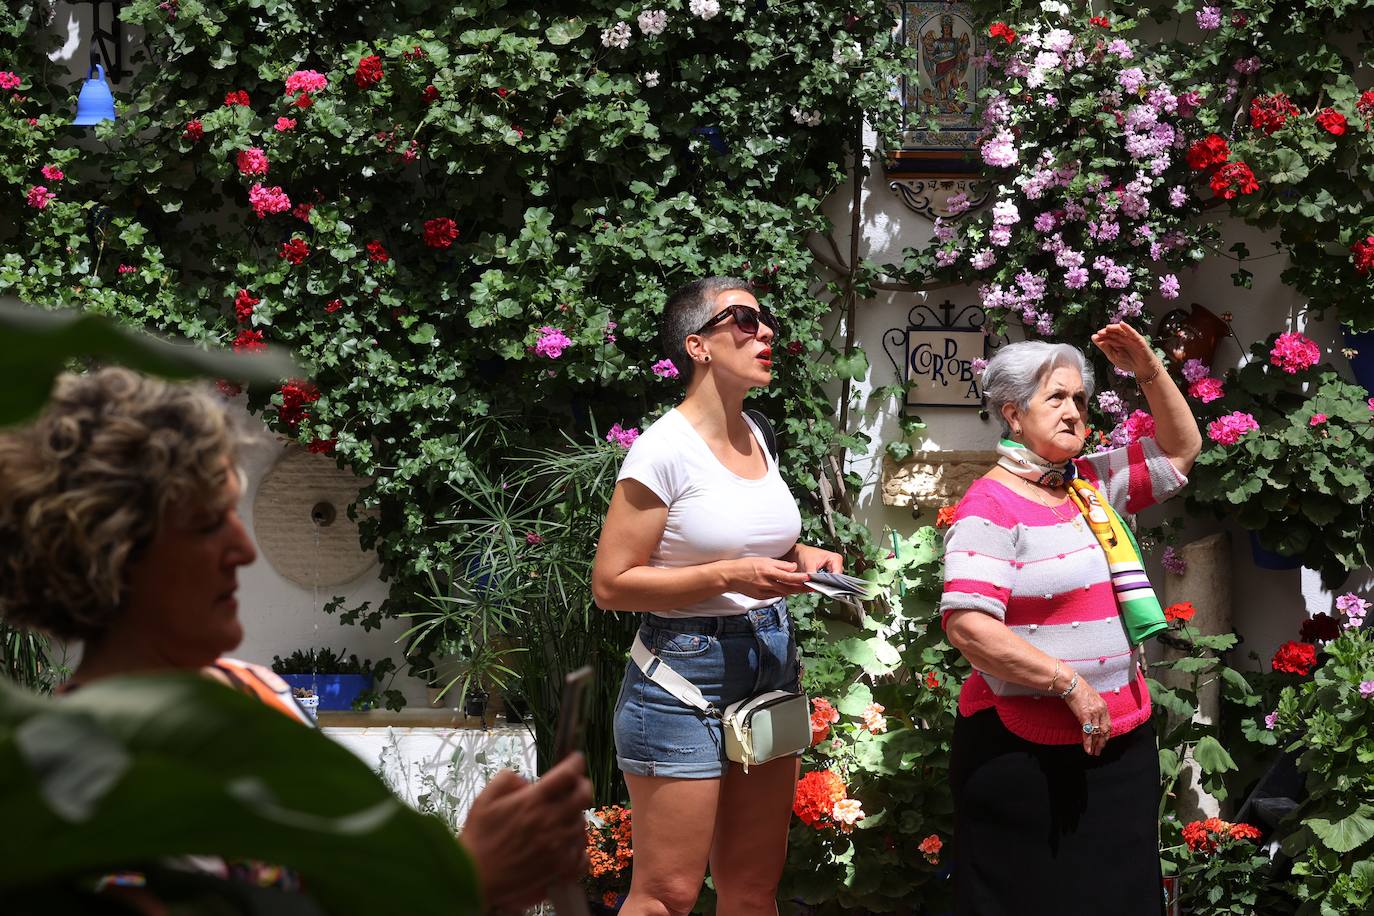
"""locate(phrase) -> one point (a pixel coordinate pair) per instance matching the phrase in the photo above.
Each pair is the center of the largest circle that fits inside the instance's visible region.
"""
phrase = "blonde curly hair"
(83, 490)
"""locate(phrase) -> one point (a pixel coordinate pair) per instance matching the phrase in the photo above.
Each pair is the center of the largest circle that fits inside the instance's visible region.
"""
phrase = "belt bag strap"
(657, 670)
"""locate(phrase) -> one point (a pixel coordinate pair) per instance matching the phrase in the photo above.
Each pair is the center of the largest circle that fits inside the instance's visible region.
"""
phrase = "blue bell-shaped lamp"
(95, 103)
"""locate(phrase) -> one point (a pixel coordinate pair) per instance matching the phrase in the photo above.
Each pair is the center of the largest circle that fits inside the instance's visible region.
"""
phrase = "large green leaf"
(135, 769)
(36, 345)
(1343, 835)
(1211, 756)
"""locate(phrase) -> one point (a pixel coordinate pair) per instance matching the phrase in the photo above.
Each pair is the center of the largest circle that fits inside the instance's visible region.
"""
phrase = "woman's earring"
(706, 358)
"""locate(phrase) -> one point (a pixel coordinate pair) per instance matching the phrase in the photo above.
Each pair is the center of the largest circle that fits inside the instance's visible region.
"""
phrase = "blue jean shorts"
(728, 659)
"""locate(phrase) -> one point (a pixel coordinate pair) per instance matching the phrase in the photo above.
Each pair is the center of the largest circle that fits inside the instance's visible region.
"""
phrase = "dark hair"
(689, 308)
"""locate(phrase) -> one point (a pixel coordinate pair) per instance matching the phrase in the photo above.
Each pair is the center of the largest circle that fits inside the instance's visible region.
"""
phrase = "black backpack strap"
(769, 438)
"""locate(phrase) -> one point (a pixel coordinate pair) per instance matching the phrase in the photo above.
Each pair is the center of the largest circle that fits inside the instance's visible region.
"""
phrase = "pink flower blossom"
(1271, 720)
(1209, 18)
(39, 196)
(9, 80)
(1206, 390)
(1354, 608)
(1195, 370)
(1139, 425)
(268, 200)
(52, 173)
(622, 437)
(1317, 419)
(285, 124)
(1168, 286)
(1293, 352)
(664, 368)
(552, 342)
(1229, 429)
(252, 161)
(1366, 689)
(957, 203)
(127, 268)
(1173, 562)
(1000, 151)
(306, 81)
(531, 538)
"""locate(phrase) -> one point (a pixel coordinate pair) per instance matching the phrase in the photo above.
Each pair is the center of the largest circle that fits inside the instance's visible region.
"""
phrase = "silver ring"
(1089, 728)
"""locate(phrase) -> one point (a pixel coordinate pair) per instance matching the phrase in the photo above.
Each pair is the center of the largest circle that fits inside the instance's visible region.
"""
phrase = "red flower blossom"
(1232, 179)
(1183, 611)
(1365, 106)
(302, 212)
(823, 715)
(817, 792)
(243, 305)
(795, 347)
(295, 396)
(1321, 626)
(1208, 152)
(930, 848)
(1363, 251)
(1204, 836)
(932, 680)
(249, 341)
(1003, 31)
(440, 232)
(295, 250)
(1102, 22)
(945, 517)
(415, 53)
(519, 131)
(237, 97)
(1268, 113)
(376, 252)
(194, 130)
(430, 95)
(1295, 658)
(333, 306)
(303, 101)
(321, 446)
(369, 72)
(1331, 121)
(503, 92)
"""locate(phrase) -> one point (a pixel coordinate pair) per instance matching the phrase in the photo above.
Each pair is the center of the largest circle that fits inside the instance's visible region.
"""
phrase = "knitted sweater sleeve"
(980, 557)
(1133, 477)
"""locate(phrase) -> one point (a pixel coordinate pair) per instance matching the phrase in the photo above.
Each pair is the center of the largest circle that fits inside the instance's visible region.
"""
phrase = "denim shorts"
(728, 659)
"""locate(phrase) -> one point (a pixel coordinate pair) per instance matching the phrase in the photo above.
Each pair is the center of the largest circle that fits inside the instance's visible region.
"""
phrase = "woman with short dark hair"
(701, 536)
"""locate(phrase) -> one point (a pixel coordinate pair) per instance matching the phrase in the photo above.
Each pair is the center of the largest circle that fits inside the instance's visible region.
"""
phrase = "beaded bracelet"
(1154, 375)
(1069, 689)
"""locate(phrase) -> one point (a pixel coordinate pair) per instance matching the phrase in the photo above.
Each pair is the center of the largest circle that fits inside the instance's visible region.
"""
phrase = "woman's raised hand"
(1127, 349)
(762, 577)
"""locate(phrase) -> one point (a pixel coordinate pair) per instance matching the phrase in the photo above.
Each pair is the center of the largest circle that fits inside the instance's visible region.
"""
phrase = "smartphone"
(571, 899)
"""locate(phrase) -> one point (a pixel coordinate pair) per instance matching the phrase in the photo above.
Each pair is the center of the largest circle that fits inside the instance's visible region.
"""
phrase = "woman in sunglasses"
(701, 535)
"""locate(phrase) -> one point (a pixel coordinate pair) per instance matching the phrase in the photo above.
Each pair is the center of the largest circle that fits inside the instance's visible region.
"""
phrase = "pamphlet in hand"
(842, 587)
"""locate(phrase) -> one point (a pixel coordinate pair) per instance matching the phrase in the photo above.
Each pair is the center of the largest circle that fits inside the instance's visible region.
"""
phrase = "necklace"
(1075, 517)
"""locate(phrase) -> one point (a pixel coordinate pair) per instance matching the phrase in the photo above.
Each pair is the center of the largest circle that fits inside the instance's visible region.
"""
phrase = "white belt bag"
(776, 723)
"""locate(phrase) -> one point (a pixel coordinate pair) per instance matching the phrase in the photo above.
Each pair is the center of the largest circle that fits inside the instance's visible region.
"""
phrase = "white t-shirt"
(713, 513)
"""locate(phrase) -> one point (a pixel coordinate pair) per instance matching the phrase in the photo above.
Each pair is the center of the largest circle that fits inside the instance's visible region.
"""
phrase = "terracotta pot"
(1194, 335)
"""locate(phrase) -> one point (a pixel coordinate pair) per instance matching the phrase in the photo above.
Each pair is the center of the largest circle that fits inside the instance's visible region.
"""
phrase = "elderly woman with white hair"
(1054, 766)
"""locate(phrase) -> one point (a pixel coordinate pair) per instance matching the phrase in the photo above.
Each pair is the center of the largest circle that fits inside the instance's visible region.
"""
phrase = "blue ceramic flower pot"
(336, 691)
(1269, 559)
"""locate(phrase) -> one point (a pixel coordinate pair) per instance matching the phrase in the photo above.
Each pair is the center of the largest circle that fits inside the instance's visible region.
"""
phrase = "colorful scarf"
(1141, 613)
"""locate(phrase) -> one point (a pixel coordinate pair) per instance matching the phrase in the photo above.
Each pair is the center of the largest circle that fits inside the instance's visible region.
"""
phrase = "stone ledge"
(933, 479)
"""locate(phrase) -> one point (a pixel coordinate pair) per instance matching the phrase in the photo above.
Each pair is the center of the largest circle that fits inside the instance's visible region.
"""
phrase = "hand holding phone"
(570, 899)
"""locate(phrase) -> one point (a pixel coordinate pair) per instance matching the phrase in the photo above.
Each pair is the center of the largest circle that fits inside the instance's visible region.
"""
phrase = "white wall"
(1269, 606)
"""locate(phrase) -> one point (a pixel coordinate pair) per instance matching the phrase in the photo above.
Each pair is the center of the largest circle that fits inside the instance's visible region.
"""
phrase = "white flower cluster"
(653, 22)
(806, 118)
(650, 78)
(706, 9)
(847, 52)
(617, 36)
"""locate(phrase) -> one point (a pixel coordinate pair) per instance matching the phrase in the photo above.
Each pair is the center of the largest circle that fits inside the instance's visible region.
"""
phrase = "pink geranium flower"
(552, 342)
(252, 161)
(1139, 425)
(622, 437)
(1229, 429)
(1317, 419)
(39, 197)
(285, 124)
(664, 368)
(9, 80)
(1293, 352)
(268, 200)
(1206, 390)
(306, 81)
(52, 173)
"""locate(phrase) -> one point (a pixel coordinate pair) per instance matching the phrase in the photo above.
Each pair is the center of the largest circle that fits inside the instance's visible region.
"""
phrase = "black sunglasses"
(747, 319)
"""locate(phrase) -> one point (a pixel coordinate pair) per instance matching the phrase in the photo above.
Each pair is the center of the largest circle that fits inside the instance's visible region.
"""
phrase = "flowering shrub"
(1290, 455)
(1220, 867)
(610, 852)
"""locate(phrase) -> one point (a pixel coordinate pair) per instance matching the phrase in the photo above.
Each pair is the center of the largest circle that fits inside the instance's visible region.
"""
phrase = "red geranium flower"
(817, 792)
(333, 306)
(237, 97)
(430, 95)
(1295, 658)
(304, 101)
(1102, 22)
(945, 517)
(930, 848)
(1208, 152)
(1321, 626)
(194, 130)
(243, 305)
(295, 395)
(1365, 105)
(1331, 121)
(249, 341)
(321, 446)
(823, 715)
(369, 72)
(1183, 611)
(295, 250)
(1003, 31)
(1204, 836)
(1232, 179)
(1268, 113)
(932, 680)
(1363, 251)
(376, 252)
(440, 232)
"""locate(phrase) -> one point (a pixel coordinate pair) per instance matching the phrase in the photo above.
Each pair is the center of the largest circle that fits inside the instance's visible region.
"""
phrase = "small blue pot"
(1269, 559)
(336, 691)
(1362, 363)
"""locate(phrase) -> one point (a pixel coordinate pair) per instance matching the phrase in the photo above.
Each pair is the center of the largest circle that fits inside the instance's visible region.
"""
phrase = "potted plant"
(1291, 455)
(609, 854)
(335, 679)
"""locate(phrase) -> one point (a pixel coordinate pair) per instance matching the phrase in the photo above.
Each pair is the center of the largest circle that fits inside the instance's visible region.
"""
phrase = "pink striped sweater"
(1047, 579)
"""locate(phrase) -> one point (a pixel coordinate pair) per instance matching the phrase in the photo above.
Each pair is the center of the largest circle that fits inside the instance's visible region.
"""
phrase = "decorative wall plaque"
(935, 157)
(934, 355)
